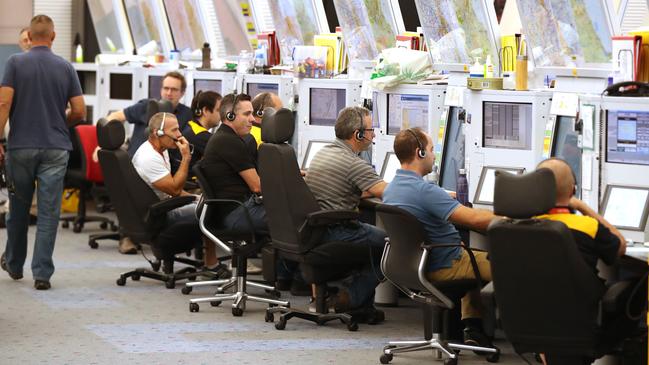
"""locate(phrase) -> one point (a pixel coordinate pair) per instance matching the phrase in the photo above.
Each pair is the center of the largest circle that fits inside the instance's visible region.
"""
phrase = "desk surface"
(638, 251)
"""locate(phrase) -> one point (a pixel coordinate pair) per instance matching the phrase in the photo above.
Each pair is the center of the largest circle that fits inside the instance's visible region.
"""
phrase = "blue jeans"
(46, 168)
(237, 220)
(361, 284)
(184, 214)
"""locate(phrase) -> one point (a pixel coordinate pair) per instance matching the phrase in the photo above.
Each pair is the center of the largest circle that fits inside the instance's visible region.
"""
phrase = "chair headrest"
(279, 126)
(524, 196)
(157, 106)
(110, 134)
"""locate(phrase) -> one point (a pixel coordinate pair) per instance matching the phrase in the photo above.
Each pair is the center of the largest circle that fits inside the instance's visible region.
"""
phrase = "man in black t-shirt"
(230, 167)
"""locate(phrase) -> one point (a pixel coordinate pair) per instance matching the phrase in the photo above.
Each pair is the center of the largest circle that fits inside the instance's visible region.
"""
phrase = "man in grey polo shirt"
(339, 178)
(36, 88)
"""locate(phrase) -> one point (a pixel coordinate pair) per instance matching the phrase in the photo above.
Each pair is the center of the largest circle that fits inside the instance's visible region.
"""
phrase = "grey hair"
(349, 120)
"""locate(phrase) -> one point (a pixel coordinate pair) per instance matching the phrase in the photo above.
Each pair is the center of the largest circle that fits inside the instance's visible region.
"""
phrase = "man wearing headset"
(259, 103)
(438, 211)
(151, 161)
(339, 178)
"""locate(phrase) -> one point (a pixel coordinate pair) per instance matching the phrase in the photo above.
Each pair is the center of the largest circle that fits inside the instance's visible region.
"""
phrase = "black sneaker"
(42, 284)
(3, 264)
(475, 337)
(221, 271)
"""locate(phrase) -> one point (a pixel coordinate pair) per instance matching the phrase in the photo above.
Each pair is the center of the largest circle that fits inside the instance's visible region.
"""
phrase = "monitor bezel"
(531, 104)
(606, 150)
(203, 79)
(442, 154)
(517, 170)
(149, 78)
(247, 87)
(645, 211)
(385, 163)
(555, 131)
(387, 110)
(311, 88)
(308, 149)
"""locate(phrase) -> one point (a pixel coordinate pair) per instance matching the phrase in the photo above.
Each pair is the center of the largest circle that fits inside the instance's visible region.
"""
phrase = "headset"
(360, 135)
(198, 111)
(267, 99)
(231, 116)
(160, 132)
(422, 152)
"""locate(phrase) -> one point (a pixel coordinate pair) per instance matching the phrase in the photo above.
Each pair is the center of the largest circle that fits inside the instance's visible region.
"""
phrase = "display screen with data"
(390, 166)
(208, 85)
(311, 151)
(255, 88)
(485, 192)
(627, 137)
(507, 125)
(453, 151)
(155, 84)
(626, 206)
(324, 105)
(565, 145)
(407, 111)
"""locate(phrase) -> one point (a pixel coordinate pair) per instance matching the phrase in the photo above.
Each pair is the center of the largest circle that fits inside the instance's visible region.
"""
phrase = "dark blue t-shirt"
(136, 114)
(43, 84)
(432, 206)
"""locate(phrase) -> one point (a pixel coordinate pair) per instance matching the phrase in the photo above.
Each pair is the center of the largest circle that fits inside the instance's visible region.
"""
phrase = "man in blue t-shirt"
(172, 90)
(36, 88)
(437, 210)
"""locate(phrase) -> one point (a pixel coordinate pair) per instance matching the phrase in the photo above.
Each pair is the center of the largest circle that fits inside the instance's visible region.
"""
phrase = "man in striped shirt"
(339, 178)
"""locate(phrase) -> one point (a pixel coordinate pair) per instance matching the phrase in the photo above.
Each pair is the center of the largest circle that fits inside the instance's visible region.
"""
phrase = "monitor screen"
(627, 137)
(566, 147)
(121, 86)
(390, 166)
(407, 111)
(325, 104)
(155, 84)
(256, 88)
(452, 151)
(485, 192)
(626, 206)
(507, 125)
(311, 150)
(208, 85)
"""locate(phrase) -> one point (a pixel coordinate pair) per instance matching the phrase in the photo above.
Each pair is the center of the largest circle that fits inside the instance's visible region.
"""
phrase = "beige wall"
(14, 15)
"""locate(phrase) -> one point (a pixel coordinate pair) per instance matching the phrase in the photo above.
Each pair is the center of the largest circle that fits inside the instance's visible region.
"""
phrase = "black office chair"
(142, 215)
(297, 223)
(239, 245)
(549, 300)
(404, 261)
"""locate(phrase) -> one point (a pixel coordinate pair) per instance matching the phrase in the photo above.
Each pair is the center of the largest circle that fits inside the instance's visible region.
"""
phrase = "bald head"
(41, 29)
(564, 178)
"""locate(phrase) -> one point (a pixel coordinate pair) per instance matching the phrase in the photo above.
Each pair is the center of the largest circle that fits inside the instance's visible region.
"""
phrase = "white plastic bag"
(401, 66)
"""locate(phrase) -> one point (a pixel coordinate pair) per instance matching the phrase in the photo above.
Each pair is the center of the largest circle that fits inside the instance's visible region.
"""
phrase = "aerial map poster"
(141, 19)
(185, 23)
(457, 31)
(105, 21)
(367, 26)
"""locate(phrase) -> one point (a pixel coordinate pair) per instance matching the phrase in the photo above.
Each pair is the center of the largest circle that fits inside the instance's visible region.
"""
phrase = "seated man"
(338, 178)
(259, 103)
(151, 161)
(438, 211)
(205, 109)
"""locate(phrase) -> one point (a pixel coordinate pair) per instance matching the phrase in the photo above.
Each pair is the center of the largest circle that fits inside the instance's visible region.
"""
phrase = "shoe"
(475, 337)
(3, 264)
(126, 246)
(338, 303)
(253, 269)
(221, 271)
(42, 284)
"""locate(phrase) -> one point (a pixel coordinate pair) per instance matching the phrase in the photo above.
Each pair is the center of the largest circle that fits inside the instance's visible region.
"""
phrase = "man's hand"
(2, 154)
(183, 146)
(95, 156)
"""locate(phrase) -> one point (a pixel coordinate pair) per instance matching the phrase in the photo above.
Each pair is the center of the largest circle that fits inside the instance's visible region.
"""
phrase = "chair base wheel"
(121, 281)
(269, 317)
(186, 290)
(237, 312)
(494, 357)
(93, 244)
(215, 303)
(193, 307)
(386, 358)
(170, 284)
(135, 277)
(281, 324)
(450, 361)
(103, 225)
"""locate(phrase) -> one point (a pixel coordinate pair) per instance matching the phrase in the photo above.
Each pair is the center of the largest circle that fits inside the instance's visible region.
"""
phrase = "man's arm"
(477, 219)
(77, 110)
(173, 184)
(251, 178)
(6, 99)
(584, 209)
(376, 190)
(117, 115)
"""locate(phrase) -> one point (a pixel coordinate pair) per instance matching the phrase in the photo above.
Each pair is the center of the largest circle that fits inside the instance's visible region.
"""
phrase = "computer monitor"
(155, 84)
(407, 111)
(626, 207)
(311, 150)
(256, 88)
(627, 137)
(484, 194)
(507, 125)
(452, 157)
(208, 85)
(325, 104)
(121, 86)
(390, 166)
(565, 145)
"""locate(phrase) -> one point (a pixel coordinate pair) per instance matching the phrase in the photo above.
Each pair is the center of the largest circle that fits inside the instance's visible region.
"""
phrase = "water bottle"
(462, 188)
(206, 56)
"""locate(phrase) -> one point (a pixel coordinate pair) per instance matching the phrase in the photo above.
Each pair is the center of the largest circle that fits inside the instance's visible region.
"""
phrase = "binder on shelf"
(269, 40)
(627, 55)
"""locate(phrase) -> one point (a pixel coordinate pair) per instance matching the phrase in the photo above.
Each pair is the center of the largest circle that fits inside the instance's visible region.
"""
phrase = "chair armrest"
(474, 263)
(369, 203)
(190, 185)
(327, 217)
(226, 202)
(164, 206)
